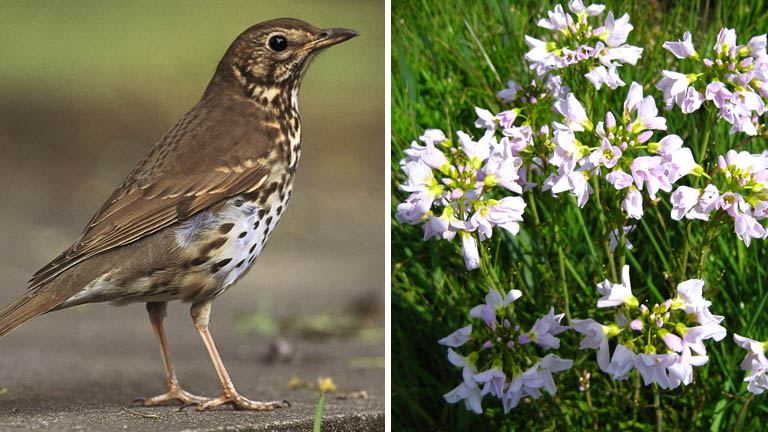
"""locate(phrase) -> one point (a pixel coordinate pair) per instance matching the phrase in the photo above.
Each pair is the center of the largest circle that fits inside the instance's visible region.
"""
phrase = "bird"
(194, 214)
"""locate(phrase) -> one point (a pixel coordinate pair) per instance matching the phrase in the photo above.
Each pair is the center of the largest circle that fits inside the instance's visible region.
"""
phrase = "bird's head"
(274, 55)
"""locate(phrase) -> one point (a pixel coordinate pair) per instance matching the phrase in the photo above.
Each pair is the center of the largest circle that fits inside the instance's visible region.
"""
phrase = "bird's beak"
(329, 37)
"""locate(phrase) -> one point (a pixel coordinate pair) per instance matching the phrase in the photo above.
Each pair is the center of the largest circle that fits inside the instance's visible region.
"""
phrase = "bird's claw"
(241, 403)
(173, 394)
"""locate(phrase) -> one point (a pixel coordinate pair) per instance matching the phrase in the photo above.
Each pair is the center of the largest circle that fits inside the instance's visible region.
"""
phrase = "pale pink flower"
(616, 294)
(683, 199)
(600, 75)
(433, 136)
(545, 328)
(595, 337)
(494, 380)
(510, 93)
(558, 20)
(619, 179)
(672, 84)
(690, 100)
(747, 228)
(726, 40)
(643, 173)
(493, 303)
(622, 362)
(476, 150)
(756, 47)
(682, 370)
(576, 182)
(681, 49)
(653, 368)
(606, 155)
(485, 119)
(616, 30)
(457, 338)
(469, 248)
(755, 363)
(574, 113)
(647, 118)
(633, 203)
(577, 7)
(468, 392)
(718, 93)
(624, 54)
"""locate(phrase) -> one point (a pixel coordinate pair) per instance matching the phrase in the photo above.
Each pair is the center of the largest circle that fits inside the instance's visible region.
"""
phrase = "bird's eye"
(278, 43)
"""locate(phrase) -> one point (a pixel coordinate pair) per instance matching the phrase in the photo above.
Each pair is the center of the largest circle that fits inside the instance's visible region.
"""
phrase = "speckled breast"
(221, 246)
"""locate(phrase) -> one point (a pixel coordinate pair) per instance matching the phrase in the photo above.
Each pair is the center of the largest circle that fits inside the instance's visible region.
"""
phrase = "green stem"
(686, 249)
(742, 411)
(561, 260)
(604, 230)
(485, 266)
(704, 144)
(636, 396)
(657, 405)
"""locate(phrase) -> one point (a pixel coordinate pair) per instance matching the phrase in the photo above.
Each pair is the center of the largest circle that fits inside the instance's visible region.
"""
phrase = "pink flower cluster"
(735, 82)
(754, 363)
(484, 370)
(449, 187)
(739, 189)
(602, 49)
(663, 343)
(622, 150)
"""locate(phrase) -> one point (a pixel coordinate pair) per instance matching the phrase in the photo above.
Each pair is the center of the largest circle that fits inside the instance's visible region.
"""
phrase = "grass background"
(447, 58)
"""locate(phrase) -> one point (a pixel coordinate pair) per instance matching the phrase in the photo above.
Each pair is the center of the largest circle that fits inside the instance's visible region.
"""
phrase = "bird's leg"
(157, 313)
(200, 316)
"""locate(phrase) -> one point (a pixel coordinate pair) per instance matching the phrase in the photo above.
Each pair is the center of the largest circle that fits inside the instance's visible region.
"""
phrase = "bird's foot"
(173, 394)
(240, 403)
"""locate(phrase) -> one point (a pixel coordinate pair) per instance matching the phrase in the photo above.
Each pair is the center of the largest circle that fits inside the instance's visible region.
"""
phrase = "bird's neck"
(279, 97)
(284, 101)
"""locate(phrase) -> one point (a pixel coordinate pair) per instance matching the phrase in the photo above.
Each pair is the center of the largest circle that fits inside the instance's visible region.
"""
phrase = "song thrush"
(195, 213)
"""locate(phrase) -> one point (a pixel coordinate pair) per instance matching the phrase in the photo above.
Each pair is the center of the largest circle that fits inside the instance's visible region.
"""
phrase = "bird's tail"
(26, 307)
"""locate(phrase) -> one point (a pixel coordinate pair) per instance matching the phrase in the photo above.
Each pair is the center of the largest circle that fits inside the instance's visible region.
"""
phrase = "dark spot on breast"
(240, 264)
(272, 134)
(250, 251)
(267, 192)
(279, 210)
(239, 202)
(261, 213)
(219, 265)
(227, 227)
(268, 222)
(256, 224)
(213, 245)
(199, 260)
(242, 234)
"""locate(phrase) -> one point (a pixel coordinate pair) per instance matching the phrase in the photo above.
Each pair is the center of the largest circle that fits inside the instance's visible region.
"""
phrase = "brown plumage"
(193, 215)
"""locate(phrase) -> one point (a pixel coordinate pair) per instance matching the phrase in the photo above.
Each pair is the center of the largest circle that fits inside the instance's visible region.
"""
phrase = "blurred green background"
(86, 87)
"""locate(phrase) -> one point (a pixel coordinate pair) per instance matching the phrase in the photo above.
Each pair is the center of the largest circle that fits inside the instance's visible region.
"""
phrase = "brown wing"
(206, 166)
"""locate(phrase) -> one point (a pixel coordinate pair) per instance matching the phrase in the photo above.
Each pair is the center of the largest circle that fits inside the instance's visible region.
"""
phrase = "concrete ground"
(79, 370)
